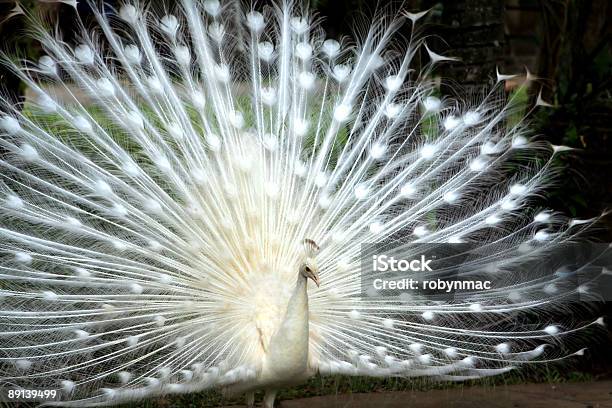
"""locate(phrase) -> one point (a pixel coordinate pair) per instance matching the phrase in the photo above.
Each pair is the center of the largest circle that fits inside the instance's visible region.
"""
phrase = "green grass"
(519, 100)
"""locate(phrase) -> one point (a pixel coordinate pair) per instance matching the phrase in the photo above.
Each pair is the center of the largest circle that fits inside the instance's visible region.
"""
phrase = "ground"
(595, 394)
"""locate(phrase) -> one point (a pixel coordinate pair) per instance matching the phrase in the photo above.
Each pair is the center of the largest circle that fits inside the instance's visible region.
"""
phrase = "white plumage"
(152, 239)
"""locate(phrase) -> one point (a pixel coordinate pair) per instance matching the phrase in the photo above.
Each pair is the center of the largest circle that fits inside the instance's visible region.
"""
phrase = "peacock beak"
(315, 278)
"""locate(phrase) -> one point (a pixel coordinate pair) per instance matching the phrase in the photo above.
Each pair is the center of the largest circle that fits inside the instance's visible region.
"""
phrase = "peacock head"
(308, 268)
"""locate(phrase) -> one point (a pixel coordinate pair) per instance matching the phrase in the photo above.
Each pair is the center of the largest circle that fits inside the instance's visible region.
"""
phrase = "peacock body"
(164, 197)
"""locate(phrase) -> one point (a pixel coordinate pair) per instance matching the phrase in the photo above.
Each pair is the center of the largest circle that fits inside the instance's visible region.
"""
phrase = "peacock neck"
(299, 299)
(297, 307)
(289, 345)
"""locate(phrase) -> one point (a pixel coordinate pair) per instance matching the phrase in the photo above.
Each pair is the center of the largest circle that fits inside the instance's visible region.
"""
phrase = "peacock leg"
(250, 399)
(269, 397)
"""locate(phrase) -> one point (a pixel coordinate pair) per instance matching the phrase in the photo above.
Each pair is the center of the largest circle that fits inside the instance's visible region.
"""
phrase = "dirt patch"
(596, 394)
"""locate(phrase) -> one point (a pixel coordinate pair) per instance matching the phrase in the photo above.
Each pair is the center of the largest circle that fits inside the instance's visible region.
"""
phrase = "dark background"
(565, 43)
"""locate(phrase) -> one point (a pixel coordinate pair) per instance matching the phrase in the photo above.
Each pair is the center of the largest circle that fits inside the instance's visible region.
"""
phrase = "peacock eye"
(307, 269)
